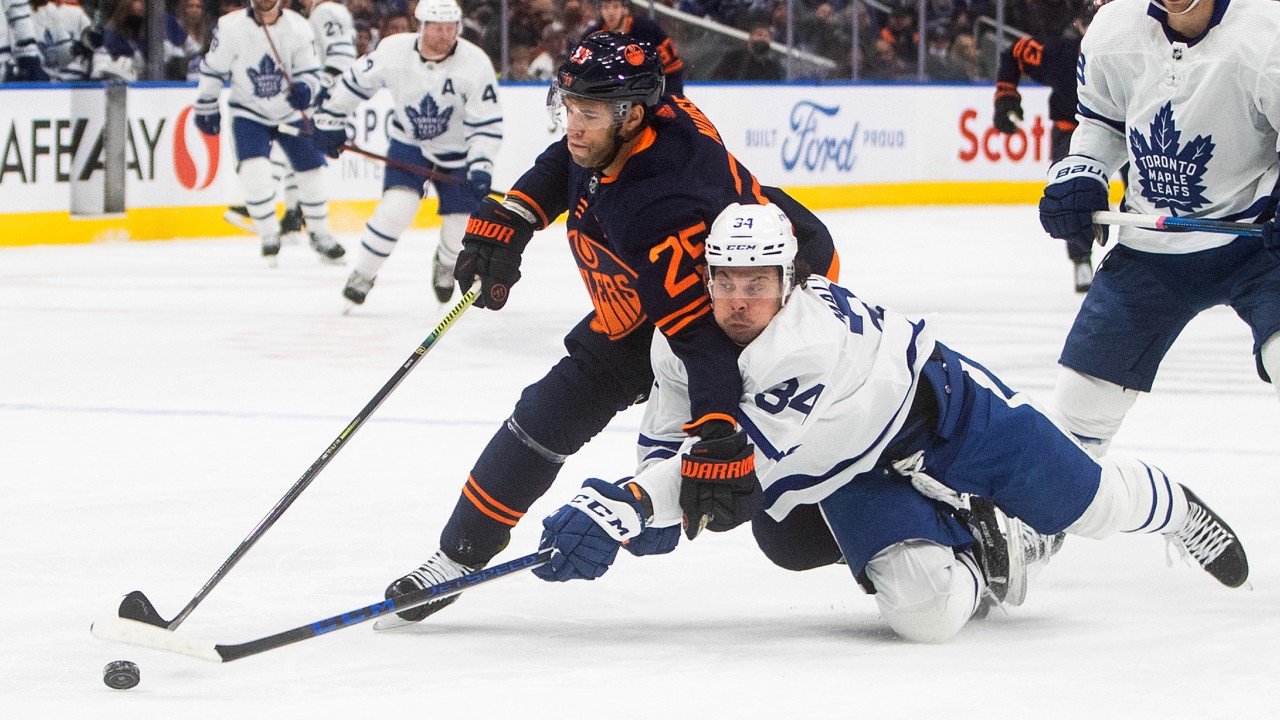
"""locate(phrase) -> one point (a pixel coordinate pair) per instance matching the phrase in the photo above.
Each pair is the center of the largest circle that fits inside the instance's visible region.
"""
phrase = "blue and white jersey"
(241, 53)
(335, 31)
(826, 387)
(1198, 119)
(17, 32)
(449, 109)
(58, 31)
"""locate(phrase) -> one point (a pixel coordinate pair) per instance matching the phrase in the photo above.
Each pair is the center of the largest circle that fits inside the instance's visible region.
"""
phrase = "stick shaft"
(338, 443)
(1177, 224)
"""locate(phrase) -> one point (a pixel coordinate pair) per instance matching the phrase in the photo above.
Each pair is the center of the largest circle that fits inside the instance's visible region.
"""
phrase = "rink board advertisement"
(832, 146)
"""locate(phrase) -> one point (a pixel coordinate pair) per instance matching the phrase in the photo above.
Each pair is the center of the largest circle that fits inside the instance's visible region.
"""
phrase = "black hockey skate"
(328, 248)
(1207, 538)
(438, 569)
(357, 287)
(441, 279)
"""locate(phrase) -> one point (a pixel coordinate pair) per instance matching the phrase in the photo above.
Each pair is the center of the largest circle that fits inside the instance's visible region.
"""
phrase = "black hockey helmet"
(611, 66)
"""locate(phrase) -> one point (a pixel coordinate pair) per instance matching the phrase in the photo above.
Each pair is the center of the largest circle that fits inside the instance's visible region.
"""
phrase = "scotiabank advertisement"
(792, 136)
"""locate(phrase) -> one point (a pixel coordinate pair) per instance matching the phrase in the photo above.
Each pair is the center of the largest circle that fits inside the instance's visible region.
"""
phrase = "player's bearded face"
(437, 38)
(744, 300)
(590, 128)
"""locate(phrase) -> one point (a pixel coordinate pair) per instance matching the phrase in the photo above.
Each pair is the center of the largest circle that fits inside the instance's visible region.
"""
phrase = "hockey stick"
(1177, 224)
(132, 632)
(135, 606)
(411, 168)
(306, 121)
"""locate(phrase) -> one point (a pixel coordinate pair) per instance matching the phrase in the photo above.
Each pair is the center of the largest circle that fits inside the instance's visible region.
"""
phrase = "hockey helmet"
(611, 67)
(438, 11)
(752, 236)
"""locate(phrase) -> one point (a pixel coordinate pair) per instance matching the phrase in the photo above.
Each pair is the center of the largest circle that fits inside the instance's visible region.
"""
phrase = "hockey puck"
(121, 675)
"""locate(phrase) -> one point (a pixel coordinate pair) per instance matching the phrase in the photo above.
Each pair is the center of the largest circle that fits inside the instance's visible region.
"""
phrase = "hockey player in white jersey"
(447, 120)
(19, 52)
(58, 30)
(1188, 93)
(268, 56)
(875, 444)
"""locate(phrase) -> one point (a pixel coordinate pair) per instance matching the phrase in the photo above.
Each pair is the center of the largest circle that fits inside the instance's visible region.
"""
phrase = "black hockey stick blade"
(133, 632)
(135, 606)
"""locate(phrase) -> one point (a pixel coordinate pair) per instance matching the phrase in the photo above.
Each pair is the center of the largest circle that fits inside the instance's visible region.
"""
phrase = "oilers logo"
(267, 79)
(427, 120)
(1170, 174)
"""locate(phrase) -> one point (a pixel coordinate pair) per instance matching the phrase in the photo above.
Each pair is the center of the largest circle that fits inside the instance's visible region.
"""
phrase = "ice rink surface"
(159, 398)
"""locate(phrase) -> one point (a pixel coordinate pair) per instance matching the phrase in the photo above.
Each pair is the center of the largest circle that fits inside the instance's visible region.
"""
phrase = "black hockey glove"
(1008, 104)
(491, 250)
(1078, 187)
(719, 489)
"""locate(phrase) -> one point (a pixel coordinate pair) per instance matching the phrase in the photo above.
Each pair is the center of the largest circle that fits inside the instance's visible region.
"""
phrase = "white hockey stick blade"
(132, 632)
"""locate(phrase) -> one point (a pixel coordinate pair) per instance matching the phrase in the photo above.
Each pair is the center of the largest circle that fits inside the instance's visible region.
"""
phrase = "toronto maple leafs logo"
(427, 120)
(267, 79)
(1170, 175)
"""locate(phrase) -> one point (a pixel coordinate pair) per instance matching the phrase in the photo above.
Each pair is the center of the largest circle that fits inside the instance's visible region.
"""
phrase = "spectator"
(964, 53)
(120, 55)
(938, 65)
(885, 64)
(753, 61)
(550, 53)
(364, 38)
(900, 32)
(616, 16)
(394, 25)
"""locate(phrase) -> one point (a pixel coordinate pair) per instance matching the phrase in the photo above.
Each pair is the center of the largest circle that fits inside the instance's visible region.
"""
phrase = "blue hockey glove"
(587, 532)
(719, 489)
(491, 249)
(299, 96)
(479, 181)
(30, 69)
(208, 117)
(654, 541)
(1077, 189)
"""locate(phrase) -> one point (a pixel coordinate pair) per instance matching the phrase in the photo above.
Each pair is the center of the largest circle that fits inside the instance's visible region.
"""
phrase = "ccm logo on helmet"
(740, 247)
(633, 54)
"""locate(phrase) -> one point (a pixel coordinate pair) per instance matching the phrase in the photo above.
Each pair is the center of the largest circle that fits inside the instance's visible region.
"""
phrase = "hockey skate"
(358, 287)
(990, 546)
(292, 225)
(238, 215)
(1082, 271)
(271, 248)
(441, 279)
(1009, 551)
(439, 569)
(328, 248)
(1207, 538)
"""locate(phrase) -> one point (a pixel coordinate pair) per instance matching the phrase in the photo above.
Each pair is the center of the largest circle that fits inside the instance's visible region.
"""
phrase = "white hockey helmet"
(753, 236)
(438, 11)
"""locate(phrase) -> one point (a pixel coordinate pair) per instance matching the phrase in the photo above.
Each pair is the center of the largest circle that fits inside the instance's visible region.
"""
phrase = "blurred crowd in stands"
(719, 39)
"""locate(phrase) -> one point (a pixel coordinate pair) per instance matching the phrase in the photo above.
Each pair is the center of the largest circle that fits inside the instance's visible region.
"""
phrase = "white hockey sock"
(392, 217)
(1090, 409)
(452, 227)
(315, 204)
(924, 590)
(1133, 497)
(259, 195)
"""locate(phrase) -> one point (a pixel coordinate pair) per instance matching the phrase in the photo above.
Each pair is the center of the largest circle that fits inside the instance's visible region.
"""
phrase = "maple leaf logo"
(427, 120)
(267, 79)
(1171, 176)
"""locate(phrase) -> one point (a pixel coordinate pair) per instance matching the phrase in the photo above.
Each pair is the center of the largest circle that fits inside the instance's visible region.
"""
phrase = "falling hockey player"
(874, 445)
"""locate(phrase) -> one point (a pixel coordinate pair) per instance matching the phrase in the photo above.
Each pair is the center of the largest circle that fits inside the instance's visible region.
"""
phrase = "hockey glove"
(586, 533)
(480, 182)
(1077, 189)
(491, 250)
(1008, 106)
(30, 69)
(299, 96)
(719, 489)
(1271, 236)
(208, 117)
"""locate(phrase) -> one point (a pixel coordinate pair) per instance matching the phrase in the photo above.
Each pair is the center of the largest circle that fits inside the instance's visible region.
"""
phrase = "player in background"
(59, 28)
(615, 16)
(447, 119)
(1187, 92)
(1049, 58)
(268, 55)
(335, 33)
(19, 51)
(877, 444)
(641, 175)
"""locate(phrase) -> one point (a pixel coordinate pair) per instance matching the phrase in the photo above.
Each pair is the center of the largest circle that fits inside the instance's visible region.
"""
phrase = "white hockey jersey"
(1198, 121)
(826, 387)
(17, 33)
(58, 29)
(240, 53)
(449, 109)
(335, 37)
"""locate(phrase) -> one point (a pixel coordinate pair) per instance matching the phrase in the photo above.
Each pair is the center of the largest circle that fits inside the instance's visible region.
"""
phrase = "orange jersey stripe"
(687, 309)
(647, 138)
(534, 206)
(689, 427)
(484, 503)
(678, 327)
(833, 271)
